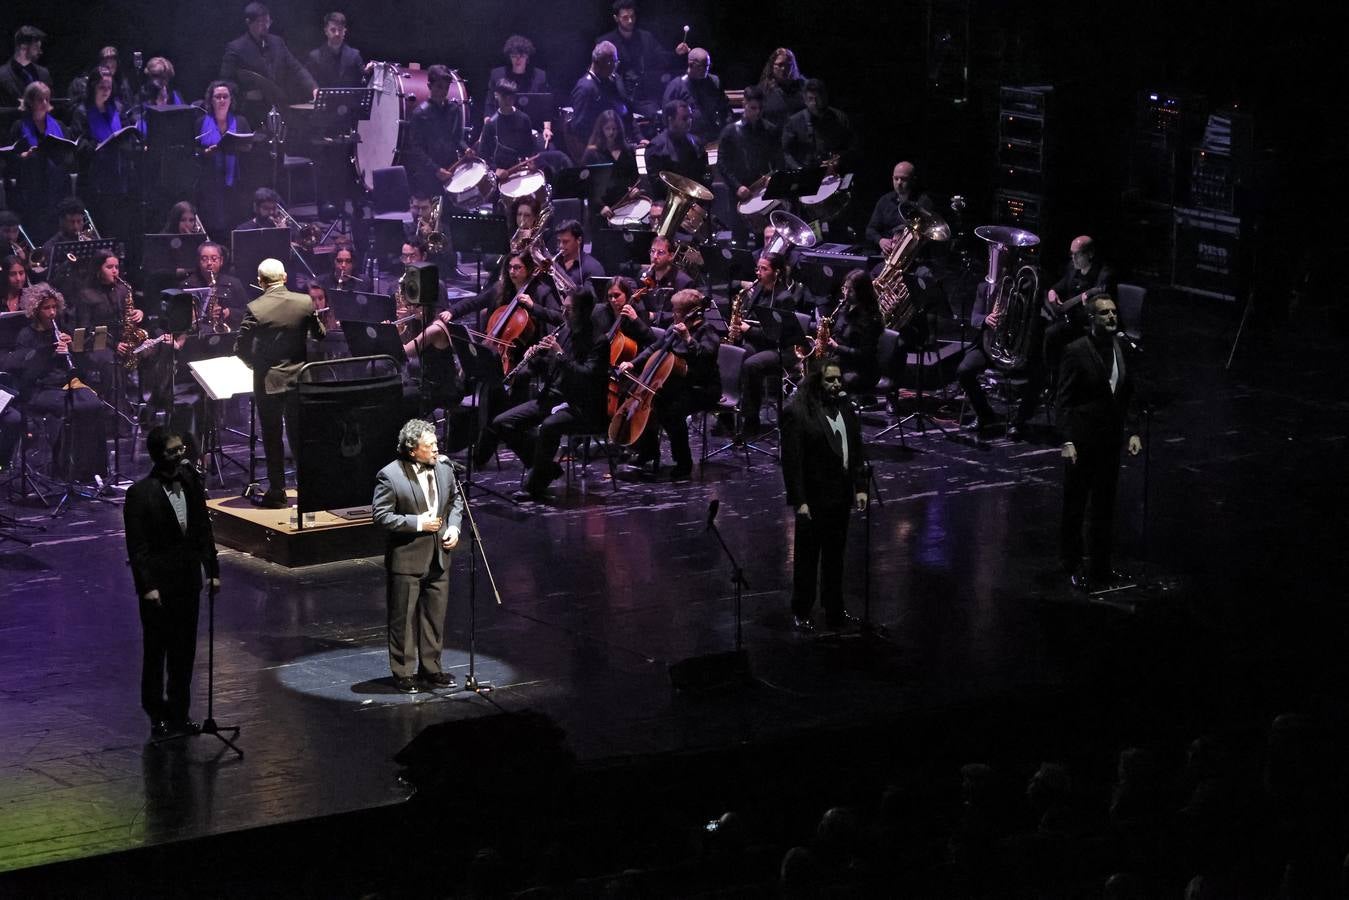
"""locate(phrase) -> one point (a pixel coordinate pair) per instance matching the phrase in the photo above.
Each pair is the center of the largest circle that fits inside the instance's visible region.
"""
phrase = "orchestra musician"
(536, 295)
(435, 138)
(336, 63)
(818, 132)
(271, 341)
(702, 91)
(220, 187)
(508, 135)
(41, 177)
(624, 308)
(886, 217)
(12, 241)
(266, 211)
(747, 150)
(598, 90)
(824, 471)
(976, 360)
(48, 377)
(643, 64)
(694, 340)
(421, 204)
(1084, 278)
(783, 87)
(258, 52)
(855, 333)
(765, 356)
(70, 225)
(22, 68)
(16, 279)
(572, 365)
(675, 150)
(608, 145)
(181, 219)
(231, 296)
(343, 277)
(665, 281)
(104, 299)
(520, 69)
(572, 259)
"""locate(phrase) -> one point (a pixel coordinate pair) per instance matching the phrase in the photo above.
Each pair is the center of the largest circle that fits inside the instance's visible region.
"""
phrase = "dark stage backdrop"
(1278, 62)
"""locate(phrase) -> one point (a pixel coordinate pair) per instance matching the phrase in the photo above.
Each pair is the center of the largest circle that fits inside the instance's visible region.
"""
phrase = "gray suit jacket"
(398, 500)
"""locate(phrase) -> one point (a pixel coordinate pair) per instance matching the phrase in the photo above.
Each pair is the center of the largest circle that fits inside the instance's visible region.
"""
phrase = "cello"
(510, 323)
(630, 420)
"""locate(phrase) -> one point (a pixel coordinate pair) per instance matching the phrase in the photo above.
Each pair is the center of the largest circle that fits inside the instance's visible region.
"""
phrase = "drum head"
(757, 205)
(523, 184)
(635, 212)
(466, 175)
(828, 188)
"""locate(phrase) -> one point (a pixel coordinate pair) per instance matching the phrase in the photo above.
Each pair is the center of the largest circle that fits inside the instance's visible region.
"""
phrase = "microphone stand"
(737, 574)
(872, 488)
(475, 549)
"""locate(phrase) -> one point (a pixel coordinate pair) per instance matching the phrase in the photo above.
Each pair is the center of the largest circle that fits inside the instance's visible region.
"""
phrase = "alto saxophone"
(213, 322)
(735, 326)
(133, 336)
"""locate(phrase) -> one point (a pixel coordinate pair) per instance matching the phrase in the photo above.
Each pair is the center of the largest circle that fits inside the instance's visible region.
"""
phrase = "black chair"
(730, 360)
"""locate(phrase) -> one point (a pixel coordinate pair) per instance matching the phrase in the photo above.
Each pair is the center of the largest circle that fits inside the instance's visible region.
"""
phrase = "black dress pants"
(534, 432)
(817, 561)
(273, 411)
(169, 630)
(1090, 483)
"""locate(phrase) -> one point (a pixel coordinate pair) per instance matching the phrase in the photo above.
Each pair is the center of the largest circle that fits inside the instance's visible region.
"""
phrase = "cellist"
(695, 341)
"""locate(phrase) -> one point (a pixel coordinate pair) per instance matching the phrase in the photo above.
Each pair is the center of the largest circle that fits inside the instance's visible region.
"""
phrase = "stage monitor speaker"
(510, 750)
(712, 671)
(421, 283)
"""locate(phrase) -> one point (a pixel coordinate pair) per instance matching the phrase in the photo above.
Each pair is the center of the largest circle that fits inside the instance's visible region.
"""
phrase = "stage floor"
(604, 589)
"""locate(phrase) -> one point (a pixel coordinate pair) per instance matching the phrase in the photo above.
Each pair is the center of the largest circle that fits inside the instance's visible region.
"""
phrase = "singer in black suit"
(825, 475)
(418, 503)
(1095, 408)
(271, 342)
(169, 542)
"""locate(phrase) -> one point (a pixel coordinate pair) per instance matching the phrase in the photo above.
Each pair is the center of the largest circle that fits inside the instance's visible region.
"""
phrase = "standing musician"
(886, 217)
(783, 87)
(336, 64)
(259, 52)
(598, 90)
(702, 91)
(748, 150)
(766, 357)
(435, 134)
(527, 77)
(675, 150)
(508, 135)
(608, 145)
(855, 333)
(41, 177)
(643, 64)
(418, 503)
(818, 132)
(169, 542)
(572, 259)
(695, 341)
(231, 297)
(48, 377)
(271, 342)
(220, 187)
(1084, 278)
(664, 281)
(1095, 410)
(22, 69)
(573, 367)
(826, 477)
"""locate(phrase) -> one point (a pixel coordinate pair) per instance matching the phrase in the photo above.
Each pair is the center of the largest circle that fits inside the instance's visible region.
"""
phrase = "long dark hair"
(811, 394)
(859, 294)
(504, 283)
(597, 141)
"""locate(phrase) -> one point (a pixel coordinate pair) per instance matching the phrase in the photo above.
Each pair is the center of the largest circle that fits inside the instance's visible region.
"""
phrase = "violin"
(630, 419)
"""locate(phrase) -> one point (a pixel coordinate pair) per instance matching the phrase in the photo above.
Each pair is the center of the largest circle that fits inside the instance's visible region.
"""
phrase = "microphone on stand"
(458, 467)
(712, 512)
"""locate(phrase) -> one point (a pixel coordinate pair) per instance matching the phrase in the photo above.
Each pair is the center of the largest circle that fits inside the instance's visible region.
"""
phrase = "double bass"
(630, 419)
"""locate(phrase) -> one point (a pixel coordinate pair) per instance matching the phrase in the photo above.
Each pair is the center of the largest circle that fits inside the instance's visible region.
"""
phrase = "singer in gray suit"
(419, 504)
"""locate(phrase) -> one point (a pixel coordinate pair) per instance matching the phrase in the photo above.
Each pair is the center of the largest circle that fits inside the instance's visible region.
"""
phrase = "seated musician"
(318, 295)
(422, 206)
(701, 90)
(976, 360)
(572, 259)
(343, 277)
(597, 91)
(12, 240)
(665, 280)
(44, 367)
(181, 219)
(886, 217)
(572, 367)
(266, 211)
(435, 138)
(766, 357)
(508, 136)
(855, 333)
(336, 64)
(70, 225)
(675, 150)
(104, 299)
(818, 132)
(518, 282)
(16, 279)
(1084, 278)
(696, 341)
(748, 150)
(528, 78)
(231, 297)
(624, 309)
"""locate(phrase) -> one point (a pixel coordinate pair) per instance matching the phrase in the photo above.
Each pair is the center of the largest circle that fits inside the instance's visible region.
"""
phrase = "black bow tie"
(422, 467)
(168, 478)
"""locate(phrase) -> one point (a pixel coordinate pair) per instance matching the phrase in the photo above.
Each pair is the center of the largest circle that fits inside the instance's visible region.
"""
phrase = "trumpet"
(306, 236)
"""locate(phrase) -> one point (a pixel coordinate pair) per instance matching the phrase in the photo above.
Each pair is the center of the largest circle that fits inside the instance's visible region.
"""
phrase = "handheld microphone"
(1133, 345)
(712, 512)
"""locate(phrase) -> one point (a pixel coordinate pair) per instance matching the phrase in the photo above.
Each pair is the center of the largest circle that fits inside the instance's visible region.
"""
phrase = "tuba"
(683, 212)
(918, 225)
(1013, 295)
(788, 231)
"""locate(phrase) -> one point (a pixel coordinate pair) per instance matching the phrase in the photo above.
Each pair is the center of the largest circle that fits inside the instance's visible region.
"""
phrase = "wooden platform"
(273, 534)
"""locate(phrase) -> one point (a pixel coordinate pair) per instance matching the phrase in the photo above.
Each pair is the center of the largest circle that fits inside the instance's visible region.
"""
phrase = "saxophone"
(818, 346)
(737, 323)
(133, 337)
(213, 323)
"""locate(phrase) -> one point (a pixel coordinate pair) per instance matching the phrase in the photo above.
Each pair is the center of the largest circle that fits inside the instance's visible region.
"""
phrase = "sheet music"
(223, 377)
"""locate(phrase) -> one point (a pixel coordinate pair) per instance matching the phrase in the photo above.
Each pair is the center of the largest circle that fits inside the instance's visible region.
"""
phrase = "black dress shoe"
(1079, 582)
(159, 729)
(842, 620)
(802, 623)
(1015, 431)
(184, 726)
(681, 472)
(408, 684)
(275, 499)
(436, 679)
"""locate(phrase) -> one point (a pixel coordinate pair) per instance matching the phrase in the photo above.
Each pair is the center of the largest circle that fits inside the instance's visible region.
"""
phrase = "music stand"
(792, 184)
(223, 377)
(615, 247)
(249, 247)
(481, 234)
(170, 252)
(348, 103)
(360, 306)
(10, 326)
(199, 348)
(581, 182)
(539, 107)
(374, 339)
(62, 264)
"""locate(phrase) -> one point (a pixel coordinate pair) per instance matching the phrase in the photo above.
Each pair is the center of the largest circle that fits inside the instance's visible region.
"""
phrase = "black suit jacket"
(812, 460)
(397, 502)
(12, 83)
(276, 63)
(271, 338)
(162, 556)
(347, 69)
(1089, 414)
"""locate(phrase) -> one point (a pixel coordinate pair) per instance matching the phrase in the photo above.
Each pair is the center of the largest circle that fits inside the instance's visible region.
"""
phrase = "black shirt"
(590, 97)
(345, 68)
(435, 141)
(683, 156)
(507, 139)
(809, 140)
(748, 152)
(707, 103)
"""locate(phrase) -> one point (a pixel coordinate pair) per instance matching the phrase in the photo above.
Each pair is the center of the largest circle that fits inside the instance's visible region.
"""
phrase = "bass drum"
(830, 200)
(397, 91)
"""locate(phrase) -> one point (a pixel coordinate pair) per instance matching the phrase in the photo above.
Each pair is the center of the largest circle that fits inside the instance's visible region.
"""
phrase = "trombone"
(306, 236)
(90, 231)
(429, 229)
